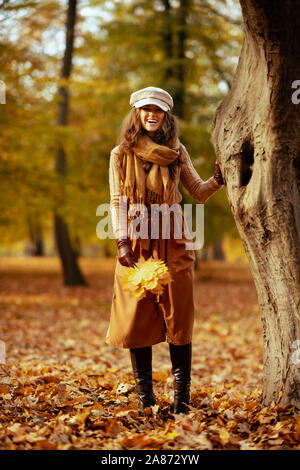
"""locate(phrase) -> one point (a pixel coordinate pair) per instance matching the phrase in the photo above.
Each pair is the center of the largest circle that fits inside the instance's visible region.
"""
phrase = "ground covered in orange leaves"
(62, 387)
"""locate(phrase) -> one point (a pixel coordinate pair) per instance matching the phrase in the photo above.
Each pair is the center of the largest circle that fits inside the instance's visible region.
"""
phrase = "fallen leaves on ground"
(63, 388)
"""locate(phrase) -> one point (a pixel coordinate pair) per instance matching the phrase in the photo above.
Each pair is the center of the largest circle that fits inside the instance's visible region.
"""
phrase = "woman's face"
(152, 117)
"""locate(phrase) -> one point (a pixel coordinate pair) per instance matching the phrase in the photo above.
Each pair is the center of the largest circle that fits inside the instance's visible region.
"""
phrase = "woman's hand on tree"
(125, 255)
(218, 174)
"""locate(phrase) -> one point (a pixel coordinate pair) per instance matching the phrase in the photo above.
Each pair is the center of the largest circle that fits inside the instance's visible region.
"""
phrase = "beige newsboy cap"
(152, 95)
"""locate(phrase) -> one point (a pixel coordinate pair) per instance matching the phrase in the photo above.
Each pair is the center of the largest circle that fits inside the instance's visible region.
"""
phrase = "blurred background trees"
(189, 47)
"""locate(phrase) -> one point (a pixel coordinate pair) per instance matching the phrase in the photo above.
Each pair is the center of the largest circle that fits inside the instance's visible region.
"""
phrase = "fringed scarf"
(153, 187)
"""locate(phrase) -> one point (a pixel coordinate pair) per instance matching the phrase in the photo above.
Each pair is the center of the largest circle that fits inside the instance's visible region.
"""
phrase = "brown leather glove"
(125, 255)
(218, 175)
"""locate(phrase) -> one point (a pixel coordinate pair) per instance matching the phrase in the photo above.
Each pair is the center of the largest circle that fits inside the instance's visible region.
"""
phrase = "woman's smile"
(151, 117)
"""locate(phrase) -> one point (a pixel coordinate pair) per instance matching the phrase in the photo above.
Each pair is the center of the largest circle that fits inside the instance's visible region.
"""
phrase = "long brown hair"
(132, 128)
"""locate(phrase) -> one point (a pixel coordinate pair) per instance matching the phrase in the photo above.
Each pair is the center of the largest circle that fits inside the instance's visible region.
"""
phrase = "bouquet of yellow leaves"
(150, 275)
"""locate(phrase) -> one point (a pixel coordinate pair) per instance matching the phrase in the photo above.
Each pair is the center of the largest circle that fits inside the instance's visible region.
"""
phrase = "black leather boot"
(181, 358)
(141, 360)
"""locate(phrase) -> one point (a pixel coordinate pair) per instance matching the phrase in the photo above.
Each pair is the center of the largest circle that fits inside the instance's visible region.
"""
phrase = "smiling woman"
(146, 167)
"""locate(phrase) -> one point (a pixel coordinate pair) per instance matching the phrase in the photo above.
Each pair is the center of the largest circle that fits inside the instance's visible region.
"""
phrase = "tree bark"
(180, 92)
(71, 271)
(174, 36)
(256, 137)
(167, 40)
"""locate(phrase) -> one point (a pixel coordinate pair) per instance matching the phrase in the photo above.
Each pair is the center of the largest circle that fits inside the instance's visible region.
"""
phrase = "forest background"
(190, 48)
(61, 386)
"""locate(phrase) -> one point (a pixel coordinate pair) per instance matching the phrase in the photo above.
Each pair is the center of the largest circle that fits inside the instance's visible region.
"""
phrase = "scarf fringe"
(153, 198)
(140, 209)
(129, 193)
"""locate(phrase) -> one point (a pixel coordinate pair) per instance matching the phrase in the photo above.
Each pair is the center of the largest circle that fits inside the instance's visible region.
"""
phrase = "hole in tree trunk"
(247, 162)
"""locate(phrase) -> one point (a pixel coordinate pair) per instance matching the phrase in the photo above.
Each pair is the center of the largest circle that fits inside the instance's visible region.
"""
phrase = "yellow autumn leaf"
(152, 284)
(140, 293)
(160, 376)
(150, 275)
(172, 435)
(224, 436)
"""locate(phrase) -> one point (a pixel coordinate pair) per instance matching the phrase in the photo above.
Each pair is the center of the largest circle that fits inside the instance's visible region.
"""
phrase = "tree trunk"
(217, 249)
(72, 274)
(174, 36)
(167, 40)
(179, 96)
(36, 236)
(256, 137)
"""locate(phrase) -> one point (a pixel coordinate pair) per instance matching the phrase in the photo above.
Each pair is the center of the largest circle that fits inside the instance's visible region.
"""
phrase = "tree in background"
(119, 47)
(28, 183)
(257, 140)
(71, 270)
